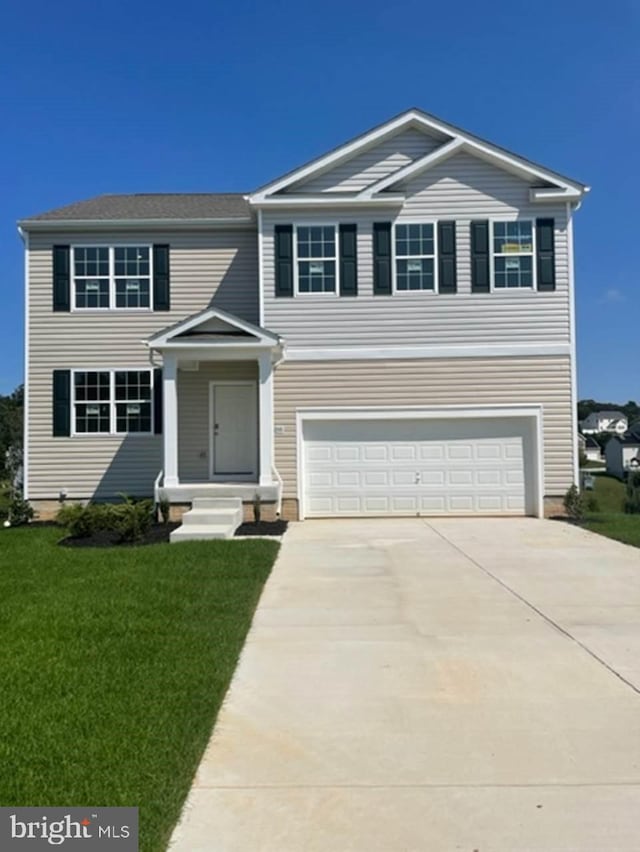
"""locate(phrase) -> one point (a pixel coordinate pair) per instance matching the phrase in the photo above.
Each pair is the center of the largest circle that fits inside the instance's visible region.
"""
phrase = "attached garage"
(385, 462)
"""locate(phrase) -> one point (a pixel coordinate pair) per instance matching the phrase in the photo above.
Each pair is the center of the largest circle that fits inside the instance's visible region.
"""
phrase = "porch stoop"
(209, 517)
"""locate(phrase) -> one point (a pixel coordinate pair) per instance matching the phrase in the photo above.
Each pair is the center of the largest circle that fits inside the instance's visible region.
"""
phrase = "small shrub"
(20, 511)
(632, 494)
(574, 504)
(164, 507)
(132, 519)
(84, 521)
(592, 504)
(257, 508)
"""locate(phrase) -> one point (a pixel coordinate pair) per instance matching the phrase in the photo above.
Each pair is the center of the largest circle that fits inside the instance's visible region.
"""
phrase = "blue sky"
(221, 96)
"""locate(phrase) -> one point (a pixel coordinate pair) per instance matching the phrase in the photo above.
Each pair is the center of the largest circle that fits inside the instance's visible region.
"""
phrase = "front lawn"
(610, 519)
(113, 666)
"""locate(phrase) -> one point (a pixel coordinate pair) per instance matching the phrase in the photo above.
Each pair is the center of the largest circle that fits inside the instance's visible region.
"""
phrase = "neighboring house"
(622, 453)
(590, 447)
(604, 421)
(385, 330)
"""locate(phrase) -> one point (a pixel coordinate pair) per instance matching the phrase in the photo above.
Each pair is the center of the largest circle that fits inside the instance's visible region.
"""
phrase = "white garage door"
(410, 467)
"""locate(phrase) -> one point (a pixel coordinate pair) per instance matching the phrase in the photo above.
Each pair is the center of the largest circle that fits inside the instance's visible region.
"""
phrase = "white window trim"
(324, 293)
(395, 257)
(111, 402)
(112, 276)
(533, 254)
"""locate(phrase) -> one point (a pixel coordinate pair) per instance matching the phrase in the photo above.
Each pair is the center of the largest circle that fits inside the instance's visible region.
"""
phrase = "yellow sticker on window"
(516, 248)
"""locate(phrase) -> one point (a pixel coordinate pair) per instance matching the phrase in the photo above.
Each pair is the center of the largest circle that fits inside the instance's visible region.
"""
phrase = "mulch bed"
(263, 528)
(158, 534)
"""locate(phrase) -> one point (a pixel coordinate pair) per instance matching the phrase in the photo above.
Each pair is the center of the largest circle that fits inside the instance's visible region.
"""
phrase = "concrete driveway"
(432, 685)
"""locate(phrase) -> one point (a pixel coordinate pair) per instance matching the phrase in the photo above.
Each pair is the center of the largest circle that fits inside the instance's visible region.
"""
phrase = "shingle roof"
(629, 439)
(151, 206)
(617, 415)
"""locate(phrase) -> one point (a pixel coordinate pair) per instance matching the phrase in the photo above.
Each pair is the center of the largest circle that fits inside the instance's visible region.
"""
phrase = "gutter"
(101, 224)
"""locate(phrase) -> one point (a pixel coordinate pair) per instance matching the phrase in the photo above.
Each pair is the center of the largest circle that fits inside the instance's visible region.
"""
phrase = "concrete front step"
(202, 517)
(216, 503)
(210, 518)
(193, 532)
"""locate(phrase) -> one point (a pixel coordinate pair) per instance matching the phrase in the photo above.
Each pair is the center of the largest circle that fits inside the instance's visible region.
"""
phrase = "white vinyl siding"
(462, 189)
(372, 165)
(218, 268)
(542, 381)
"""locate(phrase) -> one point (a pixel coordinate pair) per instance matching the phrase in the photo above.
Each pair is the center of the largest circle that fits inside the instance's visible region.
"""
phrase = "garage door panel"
(403, 452)
(371, 467)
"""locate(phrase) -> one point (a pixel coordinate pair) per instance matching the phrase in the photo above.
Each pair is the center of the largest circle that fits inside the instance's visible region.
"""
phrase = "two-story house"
(388, 329)
(604, 421)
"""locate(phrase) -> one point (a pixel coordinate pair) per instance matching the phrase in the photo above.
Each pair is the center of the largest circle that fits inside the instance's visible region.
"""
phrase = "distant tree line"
(11, 417)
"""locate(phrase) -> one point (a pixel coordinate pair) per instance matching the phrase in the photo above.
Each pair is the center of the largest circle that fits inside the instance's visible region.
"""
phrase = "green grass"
(624, 528)
(609, 492)
(610, 519)
(113, 666)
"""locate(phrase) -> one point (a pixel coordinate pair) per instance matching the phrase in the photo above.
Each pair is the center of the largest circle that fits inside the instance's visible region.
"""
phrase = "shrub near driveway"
(114, 665)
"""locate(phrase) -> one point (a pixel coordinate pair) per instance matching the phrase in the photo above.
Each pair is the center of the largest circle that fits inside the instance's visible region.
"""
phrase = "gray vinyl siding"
(372, 165)
(542, 381)
(462, 188)
(218, 268)
(193, 413)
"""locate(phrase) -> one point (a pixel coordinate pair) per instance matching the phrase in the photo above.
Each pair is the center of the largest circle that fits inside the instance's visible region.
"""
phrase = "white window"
(316, 258)
(513, 254)
(112, 402)
(415, 257)
(112, 277)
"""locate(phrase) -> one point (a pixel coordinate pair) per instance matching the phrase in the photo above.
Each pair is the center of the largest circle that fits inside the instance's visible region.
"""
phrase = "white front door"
(234, 430)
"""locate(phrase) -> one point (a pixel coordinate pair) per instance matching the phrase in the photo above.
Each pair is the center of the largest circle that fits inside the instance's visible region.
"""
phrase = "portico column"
(265, 417)
(170, 418)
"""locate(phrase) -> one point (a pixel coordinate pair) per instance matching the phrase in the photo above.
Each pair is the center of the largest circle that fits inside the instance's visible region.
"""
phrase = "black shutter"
(161, 280)
(61, 403)
(283, 239)
(348, 260)
(381, 258)
(157, 401)
(480, 257)
(61, 278)
(447, 257)
(545, 251)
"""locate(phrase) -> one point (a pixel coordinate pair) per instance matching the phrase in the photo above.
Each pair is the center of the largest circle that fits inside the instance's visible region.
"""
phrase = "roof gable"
(212, 326)
(447, 138)
(373, 163)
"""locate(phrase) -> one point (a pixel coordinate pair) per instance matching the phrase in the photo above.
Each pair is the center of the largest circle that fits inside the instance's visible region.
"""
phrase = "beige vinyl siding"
(542, 381)
(462, 188)
(193, 413)
(219, 269)
(372, 165)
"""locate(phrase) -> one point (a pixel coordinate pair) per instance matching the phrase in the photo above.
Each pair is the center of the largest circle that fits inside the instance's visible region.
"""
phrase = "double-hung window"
(112, 277)
(415, 257)
(513, 254)
(112, 401)
(317, 258)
